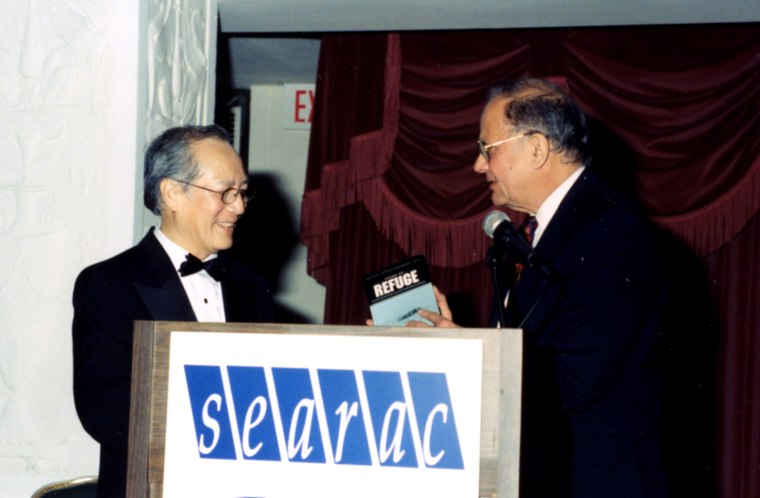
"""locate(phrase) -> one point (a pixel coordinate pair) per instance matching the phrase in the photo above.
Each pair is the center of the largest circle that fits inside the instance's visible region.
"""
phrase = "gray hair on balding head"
(170, 156)
(541, 106)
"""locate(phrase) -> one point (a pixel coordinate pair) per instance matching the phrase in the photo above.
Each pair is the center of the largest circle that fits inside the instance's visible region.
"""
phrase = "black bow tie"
(216, 267)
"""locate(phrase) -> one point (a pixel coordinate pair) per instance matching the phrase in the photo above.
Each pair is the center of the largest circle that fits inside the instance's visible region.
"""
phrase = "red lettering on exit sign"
(298, 106)
(304, 106)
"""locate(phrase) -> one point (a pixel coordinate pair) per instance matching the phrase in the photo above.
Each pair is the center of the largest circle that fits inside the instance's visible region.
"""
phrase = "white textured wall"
(82, 83)
(68, 158)
(282, 154)
(180, 47)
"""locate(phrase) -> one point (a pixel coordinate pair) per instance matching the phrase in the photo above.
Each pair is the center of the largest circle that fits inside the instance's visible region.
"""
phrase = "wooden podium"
(499, 411)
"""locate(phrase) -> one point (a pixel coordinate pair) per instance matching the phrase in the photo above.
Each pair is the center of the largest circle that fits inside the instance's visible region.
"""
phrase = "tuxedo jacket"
(138, 284)
(593, 380)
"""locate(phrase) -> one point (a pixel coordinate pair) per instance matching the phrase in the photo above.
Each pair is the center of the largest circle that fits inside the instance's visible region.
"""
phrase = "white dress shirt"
(204, 292)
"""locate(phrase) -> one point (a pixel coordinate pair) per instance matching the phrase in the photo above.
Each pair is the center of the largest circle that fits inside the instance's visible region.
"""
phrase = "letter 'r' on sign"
(298, 106)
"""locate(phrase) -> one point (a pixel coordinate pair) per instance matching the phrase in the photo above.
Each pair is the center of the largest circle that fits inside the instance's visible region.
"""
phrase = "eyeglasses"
(484, 147)
(229, 195)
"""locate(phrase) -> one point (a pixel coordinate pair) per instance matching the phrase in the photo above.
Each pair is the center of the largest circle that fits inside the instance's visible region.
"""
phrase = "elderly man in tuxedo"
(593, 383)
(195, 181)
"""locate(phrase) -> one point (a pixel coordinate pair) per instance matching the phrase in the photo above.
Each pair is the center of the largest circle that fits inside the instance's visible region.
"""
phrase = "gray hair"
(540, 106)
(169, 156)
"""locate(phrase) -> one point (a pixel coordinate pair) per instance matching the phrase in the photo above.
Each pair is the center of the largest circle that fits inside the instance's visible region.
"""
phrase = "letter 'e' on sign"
(298, 106)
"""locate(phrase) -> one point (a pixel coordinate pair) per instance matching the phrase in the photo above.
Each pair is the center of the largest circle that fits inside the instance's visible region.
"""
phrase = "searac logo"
(321, 416)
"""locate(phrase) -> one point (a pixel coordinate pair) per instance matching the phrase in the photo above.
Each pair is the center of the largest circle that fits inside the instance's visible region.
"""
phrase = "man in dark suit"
(593, 381)
(195, 181)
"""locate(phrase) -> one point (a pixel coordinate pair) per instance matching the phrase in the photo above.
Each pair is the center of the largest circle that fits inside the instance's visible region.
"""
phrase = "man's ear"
(540, 149)
(170, 193)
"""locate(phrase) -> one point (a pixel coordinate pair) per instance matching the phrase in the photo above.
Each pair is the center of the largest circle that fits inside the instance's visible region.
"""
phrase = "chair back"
(79, 487)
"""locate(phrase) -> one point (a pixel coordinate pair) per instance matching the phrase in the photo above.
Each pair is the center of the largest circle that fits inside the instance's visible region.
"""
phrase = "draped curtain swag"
(674, 114)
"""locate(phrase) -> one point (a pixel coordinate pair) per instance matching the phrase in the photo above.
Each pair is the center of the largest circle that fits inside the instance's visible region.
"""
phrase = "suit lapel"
(233, 302)
(565, 223)
(167, 302)
(241, 299)
(157, 283)
(535, 295)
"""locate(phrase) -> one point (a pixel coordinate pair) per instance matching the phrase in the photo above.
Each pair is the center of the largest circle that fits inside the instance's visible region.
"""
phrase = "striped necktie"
(526, 230)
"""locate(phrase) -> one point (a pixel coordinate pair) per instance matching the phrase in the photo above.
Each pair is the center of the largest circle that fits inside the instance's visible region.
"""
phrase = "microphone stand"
(493, 265)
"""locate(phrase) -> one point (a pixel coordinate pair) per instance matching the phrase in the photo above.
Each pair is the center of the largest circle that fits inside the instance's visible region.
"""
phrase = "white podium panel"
(286, 411)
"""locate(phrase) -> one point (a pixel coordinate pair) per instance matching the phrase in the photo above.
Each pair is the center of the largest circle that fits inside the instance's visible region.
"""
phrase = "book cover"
(397, 292)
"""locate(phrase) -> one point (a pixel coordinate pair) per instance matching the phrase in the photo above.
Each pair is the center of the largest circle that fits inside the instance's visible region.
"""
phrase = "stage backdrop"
(675, 123)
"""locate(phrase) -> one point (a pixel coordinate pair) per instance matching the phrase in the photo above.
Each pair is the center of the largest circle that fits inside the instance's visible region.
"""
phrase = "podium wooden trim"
(500, 410)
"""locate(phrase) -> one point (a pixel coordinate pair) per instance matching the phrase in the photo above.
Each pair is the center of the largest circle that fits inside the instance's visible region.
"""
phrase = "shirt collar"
(176, 252)
(547, 209)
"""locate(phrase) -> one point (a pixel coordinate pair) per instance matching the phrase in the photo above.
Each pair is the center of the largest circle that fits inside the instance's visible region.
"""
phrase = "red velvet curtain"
(675, 122)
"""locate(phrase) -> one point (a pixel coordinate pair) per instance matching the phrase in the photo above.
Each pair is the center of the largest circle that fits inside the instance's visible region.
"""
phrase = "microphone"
(500, 228)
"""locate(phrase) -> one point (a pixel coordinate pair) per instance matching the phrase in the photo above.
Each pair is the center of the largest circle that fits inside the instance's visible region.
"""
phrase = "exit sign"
(298, 106)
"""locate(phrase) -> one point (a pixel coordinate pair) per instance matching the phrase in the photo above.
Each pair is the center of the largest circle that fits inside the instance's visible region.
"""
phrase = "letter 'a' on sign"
(435, 420)
(345, 421)
(207, 400)
(253, 413)
(390, 419)
(295, 396)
